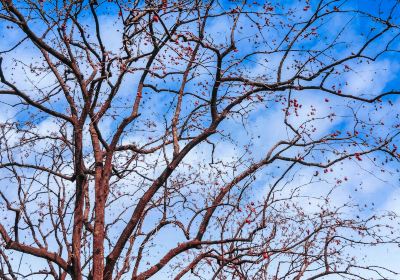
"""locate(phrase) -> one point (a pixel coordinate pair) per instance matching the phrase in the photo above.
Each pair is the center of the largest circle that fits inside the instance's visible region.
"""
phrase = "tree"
(200, 139)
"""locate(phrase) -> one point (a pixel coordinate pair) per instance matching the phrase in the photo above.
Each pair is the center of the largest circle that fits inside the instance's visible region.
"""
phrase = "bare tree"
(132, 147)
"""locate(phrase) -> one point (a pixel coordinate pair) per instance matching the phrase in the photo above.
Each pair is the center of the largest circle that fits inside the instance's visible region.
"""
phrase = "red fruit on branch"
(358, 156)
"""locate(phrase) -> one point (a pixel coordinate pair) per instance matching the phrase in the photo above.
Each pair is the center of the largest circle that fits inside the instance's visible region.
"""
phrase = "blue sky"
(367, 181)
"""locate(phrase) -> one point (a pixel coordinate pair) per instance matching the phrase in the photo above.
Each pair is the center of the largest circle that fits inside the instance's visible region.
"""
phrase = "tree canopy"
(199, 139)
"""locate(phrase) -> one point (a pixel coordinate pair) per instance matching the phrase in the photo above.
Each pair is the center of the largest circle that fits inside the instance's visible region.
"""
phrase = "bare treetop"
(198, 139)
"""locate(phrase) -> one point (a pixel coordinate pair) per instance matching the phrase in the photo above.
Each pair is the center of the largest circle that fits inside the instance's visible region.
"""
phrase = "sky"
(366, 182)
